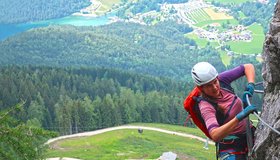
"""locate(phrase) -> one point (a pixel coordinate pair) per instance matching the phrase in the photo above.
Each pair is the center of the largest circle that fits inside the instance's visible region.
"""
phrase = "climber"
(222, 111)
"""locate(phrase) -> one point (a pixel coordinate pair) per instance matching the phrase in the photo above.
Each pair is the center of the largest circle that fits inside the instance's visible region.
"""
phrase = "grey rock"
(168, 156)
(267, 143)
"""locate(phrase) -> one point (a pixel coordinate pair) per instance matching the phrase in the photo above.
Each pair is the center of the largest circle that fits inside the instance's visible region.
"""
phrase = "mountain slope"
(160, 50)
(18, 11)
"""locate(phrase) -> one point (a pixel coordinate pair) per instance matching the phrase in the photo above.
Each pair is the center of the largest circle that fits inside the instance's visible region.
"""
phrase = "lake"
(7, 30)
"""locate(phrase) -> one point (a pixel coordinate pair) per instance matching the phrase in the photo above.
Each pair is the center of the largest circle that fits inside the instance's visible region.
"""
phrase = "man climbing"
(221, 110)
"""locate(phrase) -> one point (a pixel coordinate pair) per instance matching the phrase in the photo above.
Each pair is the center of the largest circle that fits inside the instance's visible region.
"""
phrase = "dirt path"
(91, 133)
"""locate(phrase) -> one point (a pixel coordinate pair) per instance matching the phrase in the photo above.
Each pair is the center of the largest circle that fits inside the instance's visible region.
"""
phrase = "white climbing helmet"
(203, 72)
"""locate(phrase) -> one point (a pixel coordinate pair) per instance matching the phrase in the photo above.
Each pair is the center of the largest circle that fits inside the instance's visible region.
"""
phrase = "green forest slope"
(76, 100)
(17, 11)
(159, 50)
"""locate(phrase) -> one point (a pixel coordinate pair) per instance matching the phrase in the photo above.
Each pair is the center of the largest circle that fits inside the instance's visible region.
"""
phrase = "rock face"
(267, 144)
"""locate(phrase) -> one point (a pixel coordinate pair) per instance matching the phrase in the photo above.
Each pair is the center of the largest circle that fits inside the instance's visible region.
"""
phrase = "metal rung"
(258, 91)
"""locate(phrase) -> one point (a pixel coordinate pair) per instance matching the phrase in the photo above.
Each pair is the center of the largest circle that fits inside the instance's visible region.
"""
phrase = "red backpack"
(191, 106)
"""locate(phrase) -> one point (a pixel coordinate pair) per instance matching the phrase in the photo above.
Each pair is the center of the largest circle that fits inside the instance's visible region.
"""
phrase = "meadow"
(198, 15)
(106, 6)
(129, 144)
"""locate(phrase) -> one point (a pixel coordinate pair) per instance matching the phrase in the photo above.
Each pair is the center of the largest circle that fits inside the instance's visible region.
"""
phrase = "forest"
(20, 11)
(71, 100)
(75, 100)
(160, 50)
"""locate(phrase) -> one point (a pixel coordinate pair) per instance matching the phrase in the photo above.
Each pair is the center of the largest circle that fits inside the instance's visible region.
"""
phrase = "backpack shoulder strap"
(219, 114)
(226, 86)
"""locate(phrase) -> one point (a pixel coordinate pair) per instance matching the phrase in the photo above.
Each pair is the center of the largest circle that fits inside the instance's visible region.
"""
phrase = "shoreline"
(84, 15)
(89, 11)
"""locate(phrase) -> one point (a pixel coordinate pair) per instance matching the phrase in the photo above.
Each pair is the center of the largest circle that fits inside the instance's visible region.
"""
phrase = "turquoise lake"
(7, 30)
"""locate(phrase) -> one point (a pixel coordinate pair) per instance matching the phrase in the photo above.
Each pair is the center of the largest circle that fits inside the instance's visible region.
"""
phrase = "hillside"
(159, 50)
(76, 100)
(18, 11)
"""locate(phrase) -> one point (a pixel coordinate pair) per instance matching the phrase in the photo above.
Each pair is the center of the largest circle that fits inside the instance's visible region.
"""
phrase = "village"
(210, 32)
(185, 13)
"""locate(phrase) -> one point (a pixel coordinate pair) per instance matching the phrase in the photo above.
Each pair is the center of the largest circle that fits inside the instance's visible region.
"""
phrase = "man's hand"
(249, 90)
(243, 114)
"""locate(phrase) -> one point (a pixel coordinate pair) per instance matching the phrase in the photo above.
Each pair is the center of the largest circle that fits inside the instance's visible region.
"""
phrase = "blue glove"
(243, 114)
(249, 90)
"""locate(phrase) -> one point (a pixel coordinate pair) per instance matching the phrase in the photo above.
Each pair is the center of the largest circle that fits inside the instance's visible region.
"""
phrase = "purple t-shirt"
(208, 112)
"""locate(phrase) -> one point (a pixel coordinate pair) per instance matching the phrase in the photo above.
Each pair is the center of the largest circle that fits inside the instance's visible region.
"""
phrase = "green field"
(201, 42)
(241, 14)
(129, 144)
(225, 58)
(253, 47)
(205, 23)
(198, 16)
(107, 6)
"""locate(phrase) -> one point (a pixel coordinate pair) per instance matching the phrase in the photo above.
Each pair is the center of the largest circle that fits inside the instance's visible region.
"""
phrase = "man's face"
(212, 88)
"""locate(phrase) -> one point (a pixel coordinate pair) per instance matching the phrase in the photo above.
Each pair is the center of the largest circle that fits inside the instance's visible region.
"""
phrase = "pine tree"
(18, 140)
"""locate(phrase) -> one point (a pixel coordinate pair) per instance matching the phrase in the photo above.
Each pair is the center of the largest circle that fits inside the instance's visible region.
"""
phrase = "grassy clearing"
(241, 15)
(201, 42)
(225, 58)
(129, 144)
(107, 6)
(204, 23)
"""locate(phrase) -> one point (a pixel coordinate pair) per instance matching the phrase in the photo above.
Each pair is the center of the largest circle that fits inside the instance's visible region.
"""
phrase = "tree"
(63, 112)
(127, 103)
(18, 140)
(36, 111)
(153, 101)
(97, 111)
(106, 111)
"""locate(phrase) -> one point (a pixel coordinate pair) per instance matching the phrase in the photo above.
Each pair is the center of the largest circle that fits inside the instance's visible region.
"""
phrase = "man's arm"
(221, 132)
(249, 70)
